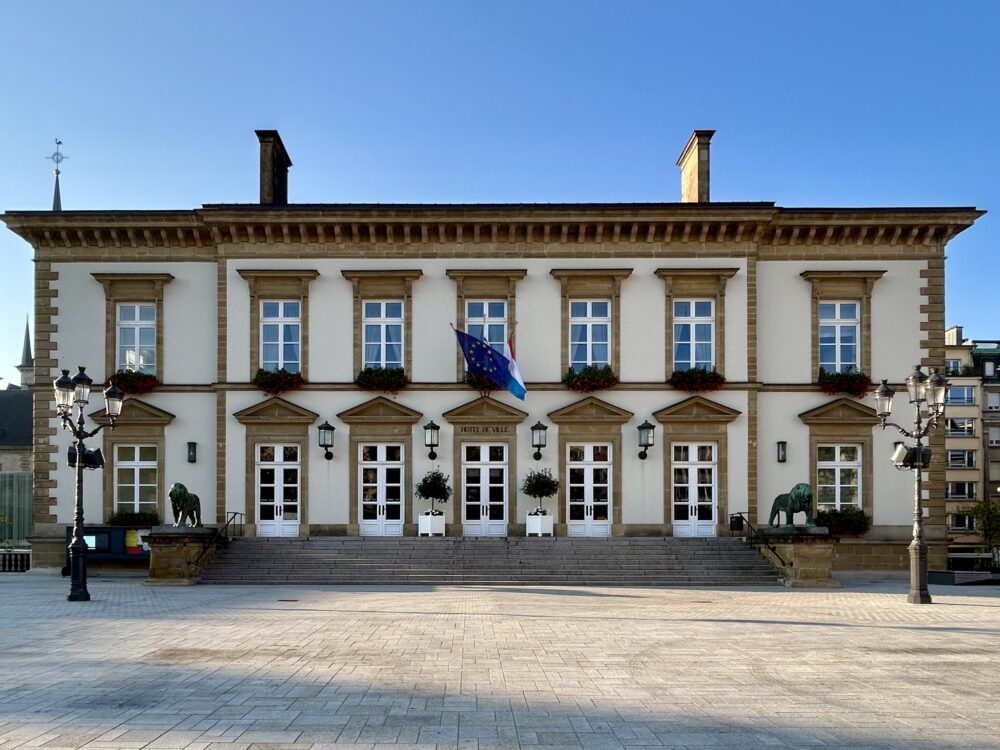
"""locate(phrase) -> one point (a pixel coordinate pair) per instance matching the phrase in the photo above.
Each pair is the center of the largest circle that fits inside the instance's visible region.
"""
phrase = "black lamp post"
(432, 438)
(72, 392)
(929, 391)
(325, 438)
(538, 431)
(645, 438)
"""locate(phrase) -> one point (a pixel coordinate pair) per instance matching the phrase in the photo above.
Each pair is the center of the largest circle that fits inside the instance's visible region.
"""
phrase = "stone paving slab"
(491, 668)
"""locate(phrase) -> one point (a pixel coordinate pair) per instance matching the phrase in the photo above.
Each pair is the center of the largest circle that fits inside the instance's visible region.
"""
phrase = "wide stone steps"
(618, 561)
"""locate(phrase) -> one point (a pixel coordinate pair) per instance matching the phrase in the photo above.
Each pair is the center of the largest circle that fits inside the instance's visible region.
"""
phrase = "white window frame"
(952, 366)
(136, 466)
(588, 322)
(968, 460)
(485, 321)
(690, 321)
(989, 368)
(384, 323)
(967, 491)
(962, 427)
(968, 399)
(281, 321)
(840, 324)
(969, 525)
(839, 465)
(993, 401)
(136, 326)
(994, 436)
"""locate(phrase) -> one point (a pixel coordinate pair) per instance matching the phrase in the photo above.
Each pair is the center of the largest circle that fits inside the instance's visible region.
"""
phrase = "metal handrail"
(234, 526)
(755, 537)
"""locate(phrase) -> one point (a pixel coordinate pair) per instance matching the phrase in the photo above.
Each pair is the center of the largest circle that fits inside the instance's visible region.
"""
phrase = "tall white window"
(992, 401)
(952, 366)
(989, 369)
(994, 435)
(137, 338)
(281, 335)
(694, 334)
(589, 334)
(487, 320)
(383, 326)
(961, 395)
(838, 476)
(961, 459)
(135, 478)
(961, 490)
(839, 330)
(961, 427)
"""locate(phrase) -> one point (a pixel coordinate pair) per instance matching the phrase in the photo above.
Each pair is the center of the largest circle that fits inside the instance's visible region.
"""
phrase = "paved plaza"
(475, 667)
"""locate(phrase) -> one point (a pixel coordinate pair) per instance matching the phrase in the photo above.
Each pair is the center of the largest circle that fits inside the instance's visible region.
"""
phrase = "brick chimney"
(274, 164)
(693, 162)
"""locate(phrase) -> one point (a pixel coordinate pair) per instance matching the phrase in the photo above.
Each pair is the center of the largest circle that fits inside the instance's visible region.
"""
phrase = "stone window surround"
(392, 424)
(486, 284)
(592, 284)
(837, 423)
(124, 288)
(843, 285)
(383, 285)
(696, 283)
(697, 420)
(139, 424)
(603, 424)
(278, 284)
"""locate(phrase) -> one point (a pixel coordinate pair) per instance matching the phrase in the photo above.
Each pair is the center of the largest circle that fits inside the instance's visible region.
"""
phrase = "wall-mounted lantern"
(782, 451)
(645, 438)
(325, 435)
(192, 453)
(538, 431)
(432, 439)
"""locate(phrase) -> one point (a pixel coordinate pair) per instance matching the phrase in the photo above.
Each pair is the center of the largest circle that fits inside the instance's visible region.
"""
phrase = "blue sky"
(846, 104)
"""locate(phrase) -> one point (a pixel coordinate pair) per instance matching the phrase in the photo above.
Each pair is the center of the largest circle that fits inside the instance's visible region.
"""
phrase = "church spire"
(27, 366)
(57, 158)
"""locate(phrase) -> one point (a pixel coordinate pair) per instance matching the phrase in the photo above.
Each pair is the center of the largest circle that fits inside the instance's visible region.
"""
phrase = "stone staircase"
(619, 561)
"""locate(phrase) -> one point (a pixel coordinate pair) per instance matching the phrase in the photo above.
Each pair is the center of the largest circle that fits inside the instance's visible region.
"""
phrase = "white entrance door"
(484, 489)
(380, 489)
(278, 471)
(588, 495)
(694, 485)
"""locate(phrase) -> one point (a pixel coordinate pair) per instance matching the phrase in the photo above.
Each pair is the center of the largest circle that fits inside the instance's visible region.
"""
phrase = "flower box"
(590, 379)
(428, 525)
(133, 382)
(851, 383)
(696, 380)
(540, 525)
(278, 381)
(386, 379)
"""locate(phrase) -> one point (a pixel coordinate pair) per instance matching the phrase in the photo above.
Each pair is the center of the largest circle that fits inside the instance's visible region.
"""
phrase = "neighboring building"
(986, 358)
(964, 436)
(15, 416)
(765, 295)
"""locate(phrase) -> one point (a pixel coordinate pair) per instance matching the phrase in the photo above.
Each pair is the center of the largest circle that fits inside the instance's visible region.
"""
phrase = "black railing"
(234, 526)
(740, 522)
(15, 560)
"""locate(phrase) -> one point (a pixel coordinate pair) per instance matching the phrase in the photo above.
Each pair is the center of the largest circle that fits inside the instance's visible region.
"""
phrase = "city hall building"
(768, 297)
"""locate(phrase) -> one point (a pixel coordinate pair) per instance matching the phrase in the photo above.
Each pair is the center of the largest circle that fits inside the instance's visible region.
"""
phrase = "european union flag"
(484, 360)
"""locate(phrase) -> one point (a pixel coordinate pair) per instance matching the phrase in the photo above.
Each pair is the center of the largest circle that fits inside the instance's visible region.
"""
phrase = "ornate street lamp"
(924, 392)
(325, 438)
(538, 431)
(432, 437)
(645, 438)
(72, 392)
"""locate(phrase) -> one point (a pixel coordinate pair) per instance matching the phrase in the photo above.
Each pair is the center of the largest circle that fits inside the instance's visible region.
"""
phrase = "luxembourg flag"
(516, 383)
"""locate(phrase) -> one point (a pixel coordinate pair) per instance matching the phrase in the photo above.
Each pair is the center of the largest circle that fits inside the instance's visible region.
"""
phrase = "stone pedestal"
(174, 554)
(807, 552)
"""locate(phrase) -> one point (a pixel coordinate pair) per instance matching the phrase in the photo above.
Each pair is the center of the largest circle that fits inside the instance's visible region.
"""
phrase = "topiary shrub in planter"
(386, 379)
(590, 379)
(278, 381)
(133, 382)
(142, 520)
(540, 485)
(852, 382)
(434, 487)
(848, 521)
(696, 380)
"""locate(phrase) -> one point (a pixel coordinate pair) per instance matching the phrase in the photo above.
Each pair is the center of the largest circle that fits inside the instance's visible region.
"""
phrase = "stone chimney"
(274, 164)
(693, 162)
(953, 336)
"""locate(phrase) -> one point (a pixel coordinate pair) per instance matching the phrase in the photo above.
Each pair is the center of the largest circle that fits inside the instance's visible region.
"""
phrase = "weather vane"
(57, 159)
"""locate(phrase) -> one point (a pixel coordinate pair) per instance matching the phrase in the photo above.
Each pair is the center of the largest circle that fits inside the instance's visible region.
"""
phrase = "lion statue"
(186, 506)
(799, 499)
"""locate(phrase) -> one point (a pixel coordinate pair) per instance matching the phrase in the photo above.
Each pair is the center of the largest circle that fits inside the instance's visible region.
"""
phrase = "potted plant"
(133, 382)
(696, 380)
(278, 381)
(540, 485)
(590, 378)
(433, 487)
(851, 382)
(387, 379)
(848, 521)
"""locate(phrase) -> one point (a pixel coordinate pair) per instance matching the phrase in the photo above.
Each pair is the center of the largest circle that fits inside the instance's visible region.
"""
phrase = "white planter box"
(430, 525)
(540, 525)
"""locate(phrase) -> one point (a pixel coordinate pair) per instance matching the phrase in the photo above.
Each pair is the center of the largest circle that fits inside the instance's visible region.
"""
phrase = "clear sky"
(815, 104)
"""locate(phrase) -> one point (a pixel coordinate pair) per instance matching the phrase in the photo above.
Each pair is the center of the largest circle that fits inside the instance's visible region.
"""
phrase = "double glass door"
(380, 489)
(278, 474)
(484, 489)
(588, 490)
(694, 488)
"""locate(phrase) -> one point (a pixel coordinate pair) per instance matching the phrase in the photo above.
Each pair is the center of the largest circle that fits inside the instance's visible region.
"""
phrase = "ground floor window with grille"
(838, 476)
(136, 479)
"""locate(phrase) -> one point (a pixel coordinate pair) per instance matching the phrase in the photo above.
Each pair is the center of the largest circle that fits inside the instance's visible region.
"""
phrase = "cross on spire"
(57, 158)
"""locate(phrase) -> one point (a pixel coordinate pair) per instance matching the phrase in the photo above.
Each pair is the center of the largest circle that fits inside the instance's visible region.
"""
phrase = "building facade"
(965, 436)
(766, 296)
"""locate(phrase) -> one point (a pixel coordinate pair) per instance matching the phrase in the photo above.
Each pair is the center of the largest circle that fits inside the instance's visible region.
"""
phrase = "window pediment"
(485, 410)
(293, 282)
(697, 409)
(380, 410)
(591, 409)
(276, 411)
(709, 282)
(841, 411)
(135, 412)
